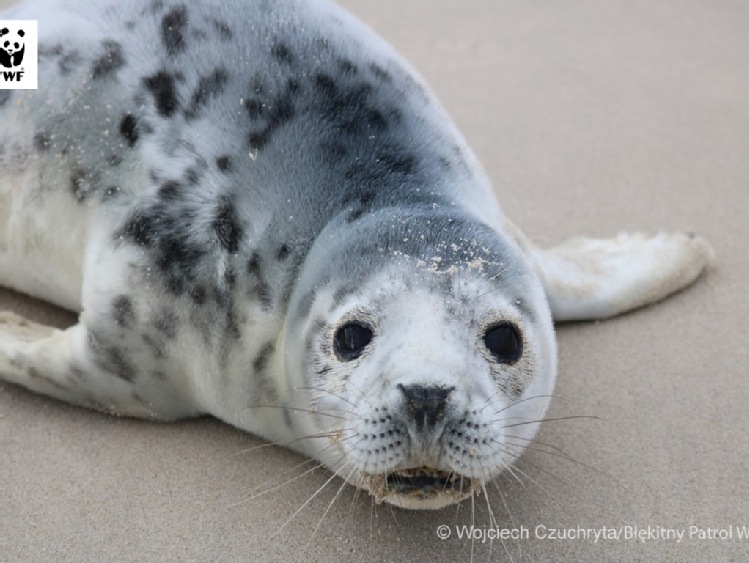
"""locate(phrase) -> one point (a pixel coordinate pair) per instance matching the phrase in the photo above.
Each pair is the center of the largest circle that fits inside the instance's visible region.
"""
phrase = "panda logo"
(12, 47)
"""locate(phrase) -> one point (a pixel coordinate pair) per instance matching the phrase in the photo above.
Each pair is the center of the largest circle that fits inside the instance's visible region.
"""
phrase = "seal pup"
(262, 213)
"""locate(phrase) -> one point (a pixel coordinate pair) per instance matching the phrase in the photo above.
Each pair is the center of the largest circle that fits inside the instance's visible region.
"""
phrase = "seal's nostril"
(425, 404)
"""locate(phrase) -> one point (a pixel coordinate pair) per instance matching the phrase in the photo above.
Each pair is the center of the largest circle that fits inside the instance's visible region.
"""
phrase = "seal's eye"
(504, 342)
(351, 339)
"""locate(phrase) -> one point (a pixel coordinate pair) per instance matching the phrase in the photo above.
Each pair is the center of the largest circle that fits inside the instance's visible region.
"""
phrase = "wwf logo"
(12, 47)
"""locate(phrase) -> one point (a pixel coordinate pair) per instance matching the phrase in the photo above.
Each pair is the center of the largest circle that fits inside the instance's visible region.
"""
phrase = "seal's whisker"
(322, 390)
(516, 455)
(361, 392)
(543, 451)
(473, 523)
(330, 434)
(279, 476)
(492, 290)
(509, 513)
(509, 468)
(489, 401)
(538, 442)
(355, 499)
(263, 493)
(556, 419)
(253, 448)
(534, 397)
(272, 479)
(493, 523)
(330, 504)
(311, 498)
(557, 452)
(327, 434)
(297, 409)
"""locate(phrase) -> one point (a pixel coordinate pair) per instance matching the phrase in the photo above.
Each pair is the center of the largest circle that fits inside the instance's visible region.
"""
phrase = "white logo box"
(20, 41)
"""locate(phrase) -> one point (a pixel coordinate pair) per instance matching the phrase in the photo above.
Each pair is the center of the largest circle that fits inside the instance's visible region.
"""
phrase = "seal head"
(424, 342)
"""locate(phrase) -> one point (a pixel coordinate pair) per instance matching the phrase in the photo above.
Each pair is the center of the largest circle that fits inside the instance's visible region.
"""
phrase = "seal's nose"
(425, 405)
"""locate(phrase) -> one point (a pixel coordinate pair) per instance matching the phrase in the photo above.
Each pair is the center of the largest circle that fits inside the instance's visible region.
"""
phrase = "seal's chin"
(422, 488)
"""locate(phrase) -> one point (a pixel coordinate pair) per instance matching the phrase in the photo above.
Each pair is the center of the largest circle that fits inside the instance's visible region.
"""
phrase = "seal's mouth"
(425, 482)
(419, 488)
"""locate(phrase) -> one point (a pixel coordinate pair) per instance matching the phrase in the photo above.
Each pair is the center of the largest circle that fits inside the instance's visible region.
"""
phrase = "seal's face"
(433, 373)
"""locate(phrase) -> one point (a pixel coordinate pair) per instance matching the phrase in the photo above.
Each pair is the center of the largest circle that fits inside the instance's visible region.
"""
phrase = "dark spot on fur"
(166, 324)
(376, 120)
(198, 294)
(161, 86)
(385, 165)
(287, 419)
(348, 107)
(223, 29)
(254, 108)
(260, 287)
(42, 141)
(340, 293)
(79, 185)
(170, 190)
(224, 163)
(5, 95)
(402, 164)
(192, 176)
(305, 305)
(380, 73)
(232, 325)
(110, 358)
(293, 86)
(68, 62)
(138, 229)
(355, 215)
(230, 278)
(111, 61)
(50, 50)
(115, 362)
(129, 129)
(122, 311)
(274, 114)
(114, 160)
(282, 52)
(227, 227)
(334, 150)
(283, 252)
(347, 67)
(173, 29)
(157, 348)
(261, 360)
(209, 86)
(253, 266)
(325, 83)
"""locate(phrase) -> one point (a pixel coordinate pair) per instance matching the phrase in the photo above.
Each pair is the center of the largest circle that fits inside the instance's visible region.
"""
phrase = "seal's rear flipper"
(586, 278)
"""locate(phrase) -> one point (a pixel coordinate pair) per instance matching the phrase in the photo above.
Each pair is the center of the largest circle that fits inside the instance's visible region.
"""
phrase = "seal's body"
(262, 213)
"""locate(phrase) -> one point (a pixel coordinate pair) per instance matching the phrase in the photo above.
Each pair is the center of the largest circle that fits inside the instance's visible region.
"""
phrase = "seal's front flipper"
(587, 278)
(72, 365)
